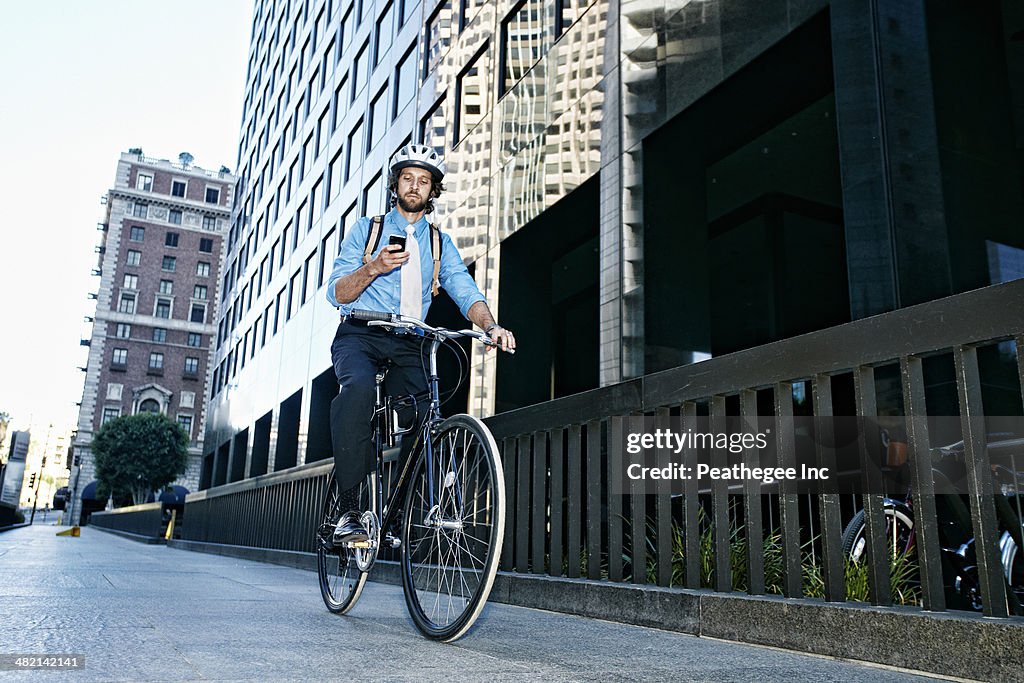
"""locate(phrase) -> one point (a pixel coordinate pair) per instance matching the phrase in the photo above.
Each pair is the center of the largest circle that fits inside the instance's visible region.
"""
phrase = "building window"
(144, 182)
(203, 269)
(134, 257)
(522, 39)
(167, 286)
(169, 264)
(467, 11)
(438, 36)
(188, 399)
(174, 216)
(199, 292)
(156, 360)
(348, 24)
(212, 195)
(206, 245)
(191, 366)
(209, 223)
(408, 6)
(163, 308)
(405, 80)
(433, 125)
(124, 331)
(178, 188)
(186, 423)
(470, 94)
(110, 414)
(114, 391)
(141, 210)
(308, 154)
(195, 340)
(159, 335)
(198, 313)
(149, 406)
(385, 27)
(119, 357)
(566, 14)
(373, 195)
(353, 155)
(378, 118)
(359, 72)
(171, 239)
(127, 304)
(131, 281)
(137, 233)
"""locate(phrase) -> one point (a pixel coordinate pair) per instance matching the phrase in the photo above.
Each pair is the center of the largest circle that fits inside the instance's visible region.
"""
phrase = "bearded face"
(413, 189)
(412, 202)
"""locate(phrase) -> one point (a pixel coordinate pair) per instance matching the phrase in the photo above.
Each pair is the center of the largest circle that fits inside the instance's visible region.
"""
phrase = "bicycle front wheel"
(341, 581)
(453, 529)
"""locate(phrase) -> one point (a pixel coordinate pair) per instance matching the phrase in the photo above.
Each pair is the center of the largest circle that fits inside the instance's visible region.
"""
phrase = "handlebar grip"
(373, 315)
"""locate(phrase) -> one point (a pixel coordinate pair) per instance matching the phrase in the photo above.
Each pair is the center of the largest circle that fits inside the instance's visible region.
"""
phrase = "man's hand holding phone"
(390, 257)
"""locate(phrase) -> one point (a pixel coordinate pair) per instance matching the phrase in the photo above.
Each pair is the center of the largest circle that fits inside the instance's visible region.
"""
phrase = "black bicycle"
(450, 492)
(956, 538)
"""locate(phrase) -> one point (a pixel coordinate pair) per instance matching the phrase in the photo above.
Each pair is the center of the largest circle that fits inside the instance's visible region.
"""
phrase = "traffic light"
(32, 480)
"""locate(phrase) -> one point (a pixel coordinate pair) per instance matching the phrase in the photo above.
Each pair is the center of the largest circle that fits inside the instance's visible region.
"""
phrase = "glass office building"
(635, 185)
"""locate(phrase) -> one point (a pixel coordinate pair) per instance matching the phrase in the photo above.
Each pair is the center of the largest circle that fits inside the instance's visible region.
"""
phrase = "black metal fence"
(564, 520)
(278, 510)
(148, 519)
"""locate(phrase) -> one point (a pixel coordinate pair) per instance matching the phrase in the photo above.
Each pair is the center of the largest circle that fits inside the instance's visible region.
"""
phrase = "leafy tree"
(140, 453)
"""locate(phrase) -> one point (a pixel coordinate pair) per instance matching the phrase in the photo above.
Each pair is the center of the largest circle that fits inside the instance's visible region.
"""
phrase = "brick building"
(159, 265)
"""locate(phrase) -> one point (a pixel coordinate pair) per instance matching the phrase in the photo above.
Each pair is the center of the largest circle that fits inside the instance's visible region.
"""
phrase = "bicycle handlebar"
(394, 320)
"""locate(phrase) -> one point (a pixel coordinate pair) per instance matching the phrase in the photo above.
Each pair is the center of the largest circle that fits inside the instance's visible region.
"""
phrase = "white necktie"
(412, 277)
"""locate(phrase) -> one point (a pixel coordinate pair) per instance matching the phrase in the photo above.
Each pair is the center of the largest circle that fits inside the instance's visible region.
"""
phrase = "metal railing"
(143, 520)
(564, 520)
(277, 510)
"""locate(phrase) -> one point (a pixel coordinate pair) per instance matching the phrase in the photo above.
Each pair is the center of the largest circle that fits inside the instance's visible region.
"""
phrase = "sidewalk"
(152, 613)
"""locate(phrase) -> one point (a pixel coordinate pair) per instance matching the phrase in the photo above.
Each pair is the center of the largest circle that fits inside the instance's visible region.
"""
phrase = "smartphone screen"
(399, 240)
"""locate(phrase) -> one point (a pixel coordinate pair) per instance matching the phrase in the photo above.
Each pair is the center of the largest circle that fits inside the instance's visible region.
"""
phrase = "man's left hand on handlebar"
(505, 340)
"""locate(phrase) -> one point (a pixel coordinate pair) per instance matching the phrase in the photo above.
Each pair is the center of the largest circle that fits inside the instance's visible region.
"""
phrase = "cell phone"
(399, 240)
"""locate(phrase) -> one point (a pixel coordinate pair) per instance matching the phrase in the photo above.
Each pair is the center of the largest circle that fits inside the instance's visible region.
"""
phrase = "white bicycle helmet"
(420, 156)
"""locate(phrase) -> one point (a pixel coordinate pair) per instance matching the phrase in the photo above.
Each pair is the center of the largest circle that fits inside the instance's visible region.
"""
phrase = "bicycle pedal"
(358, 544)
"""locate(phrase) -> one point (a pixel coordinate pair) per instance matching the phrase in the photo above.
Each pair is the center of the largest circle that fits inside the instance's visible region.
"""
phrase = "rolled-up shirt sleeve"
(350, 257)
(455, 278)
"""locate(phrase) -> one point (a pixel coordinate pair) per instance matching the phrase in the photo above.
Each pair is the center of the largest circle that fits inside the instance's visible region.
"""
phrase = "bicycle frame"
(384, 432)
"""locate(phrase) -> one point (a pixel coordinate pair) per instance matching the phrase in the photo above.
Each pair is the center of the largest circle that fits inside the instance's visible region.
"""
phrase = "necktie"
(412, 277)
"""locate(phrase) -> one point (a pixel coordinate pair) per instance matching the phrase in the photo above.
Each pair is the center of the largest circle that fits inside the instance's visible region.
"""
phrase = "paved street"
(152, 613)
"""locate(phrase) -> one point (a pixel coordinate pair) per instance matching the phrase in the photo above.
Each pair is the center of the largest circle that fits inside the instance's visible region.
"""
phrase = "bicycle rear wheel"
(452, 539)
(341, 581)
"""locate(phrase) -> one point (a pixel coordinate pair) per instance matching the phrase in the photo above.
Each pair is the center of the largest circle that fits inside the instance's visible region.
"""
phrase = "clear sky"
(80, 82)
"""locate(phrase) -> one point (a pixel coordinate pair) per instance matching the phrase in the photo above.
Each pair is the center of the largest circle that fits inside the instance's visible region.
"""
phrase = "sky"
(80, 82)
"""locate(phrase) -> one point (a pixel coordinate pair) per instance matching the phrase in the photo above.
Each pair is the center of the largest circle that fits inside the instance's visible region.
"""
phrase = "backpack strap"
(373, 237)
(435, 251)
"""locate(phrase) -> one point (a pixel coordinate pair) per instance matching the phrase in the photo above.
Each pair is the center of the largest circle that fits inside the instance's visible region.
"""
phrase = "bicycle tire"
(855, 542)
(341, 581)
(450, 550)
(1012, 560)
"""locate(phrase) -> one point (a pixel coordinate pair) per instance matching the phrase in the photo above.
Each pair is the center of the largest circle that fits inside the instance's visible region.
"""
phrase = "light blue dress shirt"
(385, 293)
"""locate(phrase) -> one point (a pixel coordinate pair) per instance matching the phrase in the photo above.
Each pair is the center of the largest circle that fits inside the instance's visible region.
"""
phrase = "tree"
(139, 454)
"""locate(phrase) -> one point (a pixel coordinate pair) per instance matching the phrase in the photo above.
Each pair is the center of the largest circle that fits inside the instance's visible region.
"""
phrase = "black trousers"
(357, 353)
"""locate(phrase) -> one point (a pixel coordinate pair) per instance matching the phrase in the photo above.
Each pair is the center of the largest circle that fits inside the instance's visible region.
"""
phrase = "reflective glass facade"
(634, 184)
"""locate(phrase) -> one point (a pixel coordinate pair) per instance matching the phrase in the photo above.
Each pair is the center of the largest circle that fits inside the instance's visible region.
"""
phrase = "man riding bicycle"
(387, 277)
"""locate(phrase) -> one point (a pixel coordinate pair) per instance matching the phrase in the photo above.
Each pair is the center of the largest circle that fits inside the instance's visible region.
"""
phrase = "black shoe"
(349, 529)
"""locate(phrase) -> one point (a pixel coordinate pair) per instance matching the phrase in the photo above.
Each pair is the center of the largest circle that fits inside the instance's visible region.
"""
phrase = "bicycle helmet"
(420, 156)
